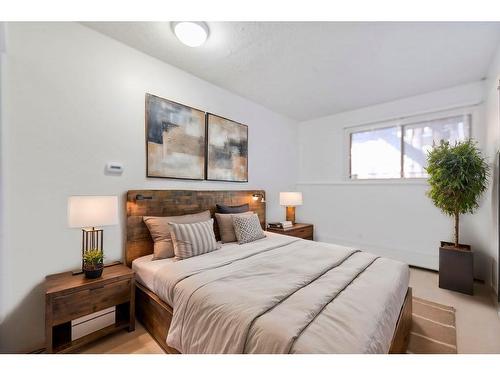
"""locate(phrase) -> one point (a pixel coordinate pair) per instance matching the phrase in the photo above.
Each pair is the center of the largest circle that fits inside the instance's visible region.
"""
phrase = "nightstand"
(305, 231)
(72, 301)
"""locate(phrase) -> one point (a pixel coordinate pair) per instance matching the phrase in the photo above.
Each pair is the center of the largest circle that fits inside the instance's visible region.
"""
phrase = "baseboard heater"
(93, 322)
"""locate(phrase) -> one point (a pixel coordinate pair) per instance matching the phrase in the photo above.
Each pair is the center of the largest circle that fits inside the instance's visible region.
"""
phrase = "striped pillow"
(193, 239)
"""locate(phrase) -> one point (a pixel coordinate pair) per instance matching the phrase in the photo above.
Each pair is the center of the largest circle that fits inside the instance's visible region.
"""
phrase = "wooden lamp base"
(290, 214)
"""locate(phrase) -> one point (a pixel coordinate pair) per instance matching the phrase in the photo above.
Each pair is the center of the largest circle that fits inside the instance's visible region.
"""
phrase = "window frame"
(400, 122)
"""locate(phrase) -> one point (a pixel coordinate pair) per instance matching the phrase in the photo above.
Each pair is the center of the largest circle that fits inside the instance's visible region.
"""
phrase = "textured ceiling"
(308, 70)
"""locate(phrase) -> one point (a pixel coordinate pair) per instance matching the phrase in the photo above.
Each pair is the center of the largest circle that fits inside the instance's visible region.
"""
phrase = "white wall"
(492, 122)
(2, 58)
(394, 219)
(74, 99)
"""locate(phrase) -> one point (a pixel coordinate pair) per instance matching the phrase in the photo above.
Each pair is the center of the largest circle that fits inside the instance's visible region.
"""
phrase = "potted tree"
(93, 263)
(458, 176)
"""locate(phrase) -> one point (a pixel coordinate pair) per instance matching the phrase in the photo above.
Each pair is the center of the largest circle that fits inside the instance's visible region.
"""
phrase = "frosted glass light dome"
(192, 34)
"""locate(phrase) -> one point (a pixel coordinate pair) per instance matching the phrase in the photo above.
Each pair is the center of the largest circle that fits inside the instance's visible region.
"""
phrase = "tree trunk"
(456, 229)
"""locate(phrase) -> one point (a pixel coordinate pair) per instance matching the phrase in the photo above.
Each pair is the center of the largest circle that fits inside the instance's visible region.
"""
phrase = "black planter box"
(93, 273)
(456, 268)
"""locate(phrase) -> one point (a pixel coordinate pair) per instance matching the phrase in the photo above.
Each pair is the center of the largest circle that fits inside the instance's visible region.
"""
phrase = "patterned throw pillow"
(193, 239)
(247, 228)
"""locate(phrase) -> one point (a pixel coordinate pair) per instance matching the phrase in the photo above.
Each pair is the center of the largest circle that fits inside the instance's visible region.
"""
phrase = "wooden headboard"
(178, 202)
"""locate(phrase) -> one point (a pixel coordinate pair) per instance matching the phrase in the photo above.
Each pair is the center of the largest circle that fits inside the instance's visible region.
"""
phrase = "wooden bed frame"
(154, 314)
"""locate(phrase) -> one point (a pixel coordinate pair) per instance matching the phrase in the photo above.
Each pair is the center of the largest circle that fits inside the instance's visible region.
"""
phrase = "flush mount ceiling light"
(192, 34)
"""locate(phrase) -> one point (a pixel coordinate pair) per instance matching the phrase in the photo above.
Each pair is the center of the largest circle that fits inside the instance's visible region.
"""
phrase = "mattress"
(280, 295)
(145, 269)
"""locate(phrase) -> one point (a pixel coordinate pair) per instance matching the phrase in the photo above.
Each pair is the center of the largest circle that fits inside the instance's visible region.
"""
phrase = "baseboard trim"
(480, 281)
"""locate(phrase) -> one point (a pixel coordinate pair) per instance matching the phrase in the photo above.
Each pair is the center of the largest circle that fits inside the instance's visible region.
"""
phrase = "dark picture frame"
(226, 149)
(175, 140)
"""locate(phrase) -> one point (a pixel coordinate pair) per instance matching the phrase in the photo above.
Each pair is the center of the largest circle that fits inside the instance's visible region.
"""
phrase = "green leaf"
(93, 256)
(458, 176)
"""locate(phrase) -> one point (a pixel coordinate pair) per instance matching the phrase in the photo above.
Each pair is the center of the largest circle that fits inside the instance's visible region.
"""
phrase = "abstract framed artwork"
(175, 140)
(227, 150)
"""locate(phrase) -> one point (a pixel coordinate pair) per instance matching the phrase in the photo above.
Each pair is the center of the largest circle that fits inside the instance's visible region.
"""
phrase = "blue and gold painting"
(175, 136)
(227, 150)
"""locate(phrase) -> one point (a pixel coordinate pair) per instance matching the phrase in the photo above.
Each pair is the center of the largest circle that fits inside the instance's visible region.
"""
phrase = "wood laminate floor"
(477, 321)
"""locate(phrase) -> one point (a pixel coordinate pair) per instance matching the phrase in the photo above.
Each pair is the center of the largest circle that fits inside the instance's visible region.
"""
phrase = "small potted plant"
(93, 263)
(458, 176)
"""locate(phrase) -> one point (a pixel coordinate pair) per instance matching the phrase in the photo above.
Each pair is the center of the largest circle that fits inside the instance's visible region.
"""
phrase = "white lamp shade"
(290, 198)
(92, 211)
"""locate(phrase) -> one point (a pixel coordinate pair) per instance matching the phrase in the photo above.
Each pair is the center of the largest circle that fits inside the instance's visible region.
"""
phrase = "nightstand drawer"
(71, 306)
(303, 233)
(74, 305)
(110, 294)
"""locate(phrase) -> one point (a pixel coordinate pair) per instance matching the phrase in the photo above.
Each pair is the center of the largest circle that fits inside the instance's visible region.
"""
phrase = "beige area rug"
(433, 328)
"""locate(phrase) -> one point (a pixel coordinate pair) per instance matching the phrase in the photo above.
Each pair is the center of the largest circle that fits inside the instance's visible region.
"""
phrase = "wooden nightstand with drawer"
(305, 231)
(74, 304)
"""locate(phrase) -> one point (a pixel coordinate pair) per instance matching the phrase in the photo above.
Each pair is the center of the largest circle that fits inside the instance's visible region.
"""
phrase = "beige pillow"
(226, 227)
(160, 231)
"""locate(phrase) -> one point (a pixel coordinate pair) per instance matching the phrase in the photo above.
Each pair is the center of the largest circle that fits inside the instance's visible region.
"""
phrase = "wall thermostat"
(114, 167)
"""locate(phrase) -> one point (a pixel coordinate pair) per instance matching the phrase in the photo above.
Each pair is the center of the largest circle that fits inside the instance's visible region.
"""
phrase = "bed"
(276, 295)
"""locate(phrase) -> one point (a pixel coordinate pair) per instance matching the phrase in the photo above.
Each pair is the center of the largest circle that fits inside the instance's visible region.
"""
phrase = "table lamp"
(290, 199)
(89, 213)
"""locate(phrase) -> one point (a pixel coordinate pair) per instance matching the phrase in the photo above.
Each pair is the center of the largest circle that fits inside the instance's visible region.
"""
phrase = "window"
(400, 151)
(376, 153)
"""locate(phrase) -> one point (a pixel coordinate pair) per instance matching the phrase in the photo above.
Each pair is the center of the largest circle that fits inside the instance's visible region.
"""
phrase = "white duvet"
(283, 295)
